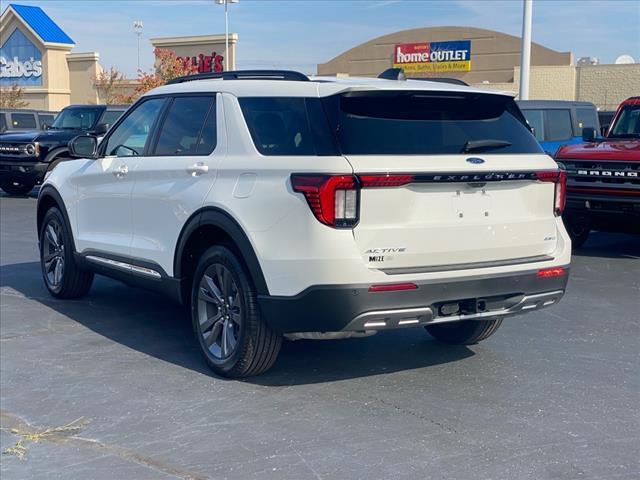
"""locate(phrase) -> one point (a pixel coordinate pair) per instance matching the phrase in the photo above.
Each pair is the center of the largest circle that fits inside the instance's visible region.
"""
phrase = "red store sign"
(205, 63)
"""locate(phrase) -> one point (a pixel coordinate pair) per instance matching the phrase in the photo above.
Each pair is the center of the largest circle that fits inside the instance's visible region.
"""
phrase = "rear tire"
(62, 276)
(578, 229)
(234, 338)
(464, 332)
(12, 187)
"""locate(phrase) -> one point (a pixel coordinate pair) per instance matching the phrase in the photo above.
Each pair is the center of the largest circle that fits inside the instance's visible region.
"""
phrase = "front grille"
(14, 151)
(590, 174)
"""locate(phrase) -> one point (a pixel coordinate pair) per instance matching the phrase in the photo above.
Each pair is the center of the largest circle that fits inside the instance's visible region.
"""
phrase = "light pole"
(525, 54)
(226, 30)
(137, 29)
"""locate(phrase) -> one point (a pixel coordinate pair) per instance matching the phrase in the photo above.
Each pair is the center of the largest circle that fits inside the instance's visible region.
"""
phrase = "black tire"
(464, 332)
(13, 187)
(62, 276)
(578, 229)
(234, 338)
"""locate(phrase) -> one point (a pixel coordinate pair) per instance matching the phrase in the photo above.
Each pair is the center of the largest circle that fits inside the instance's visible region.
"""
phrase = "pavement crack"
(414, 414)
(66, 434)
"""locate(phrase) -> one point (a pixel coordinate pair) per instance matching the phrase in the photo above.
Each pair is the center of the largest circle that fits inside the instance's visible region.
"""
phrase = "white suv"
(279, 205)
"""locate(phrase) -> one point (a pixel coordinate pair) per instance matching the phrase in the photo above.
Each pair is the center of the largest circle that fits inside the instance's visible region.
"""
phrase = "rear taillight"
(559, 177)
(335, 199)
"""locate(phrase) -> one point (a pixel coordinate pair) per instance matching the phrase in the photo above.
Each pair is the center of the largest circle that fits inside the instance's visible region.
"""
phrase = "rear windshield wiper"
(477, 145)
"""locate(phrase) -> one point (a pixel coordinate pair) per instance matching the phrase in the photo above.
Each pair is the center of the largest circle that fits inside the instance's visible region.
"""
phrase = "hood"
(625, 150)
(39, 136)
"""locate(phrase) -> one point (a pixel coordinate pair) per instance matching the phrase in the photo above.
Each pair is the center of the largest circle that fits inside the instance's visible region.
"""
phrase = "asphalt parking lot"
(113, 386)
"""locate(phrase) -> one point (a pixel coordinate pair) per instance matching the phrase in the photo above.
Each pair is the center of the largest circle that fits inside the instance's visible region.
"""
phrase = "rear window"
(23, 120)
(418, 122)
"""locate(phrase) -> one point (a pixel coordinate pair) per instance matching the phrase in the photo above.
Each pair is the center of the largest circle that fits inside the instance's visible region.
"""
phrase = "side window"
(132, 134)
(3, 123)
(535, 118)
(586, 118)
(23, 120)
(110, 117)
(278, 126)
(48, 119)
(559, 125)
(189, 127)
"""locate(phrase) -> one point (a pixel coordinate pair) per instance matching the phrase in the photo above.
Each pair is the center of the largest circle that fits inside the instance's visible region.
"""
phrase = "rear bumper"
(334, 308)
(23, 172)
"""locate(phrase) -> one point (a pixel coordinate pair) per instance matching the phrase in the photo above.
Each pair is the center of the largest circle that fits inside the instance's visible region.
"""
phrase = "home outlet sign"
(20, 61)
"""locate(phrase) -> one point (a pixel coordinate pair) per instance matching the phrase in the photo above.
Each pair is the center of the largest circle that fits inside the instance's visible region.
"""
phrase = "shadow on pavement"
(610, 245)
(151, 324)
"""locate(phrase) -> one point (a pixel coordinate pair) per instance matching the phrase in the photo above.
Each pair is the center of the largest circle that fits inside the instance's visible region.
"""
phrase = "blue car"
(559, 122)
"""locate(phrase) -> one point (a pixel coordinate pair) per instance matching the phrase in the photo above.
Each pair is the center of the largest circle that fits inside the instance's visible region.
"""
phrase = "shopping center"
(38, 55)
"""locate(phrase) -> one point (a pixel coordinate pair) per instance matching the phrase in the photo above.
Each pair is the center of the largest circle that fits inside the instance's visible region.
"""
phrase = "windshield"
(77, 118)
(627, 124)
(427, 123)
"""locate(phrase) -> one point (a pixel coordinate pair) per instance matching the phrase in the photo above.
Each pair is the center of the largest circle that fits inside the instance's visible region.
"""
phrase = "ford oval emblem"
(475, 160)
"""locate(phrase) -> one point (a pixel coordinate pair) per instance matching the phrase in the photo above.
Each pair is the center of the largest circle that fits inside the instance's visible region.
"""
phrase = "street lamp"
(226, 30)
(525, 53)
(137, 29)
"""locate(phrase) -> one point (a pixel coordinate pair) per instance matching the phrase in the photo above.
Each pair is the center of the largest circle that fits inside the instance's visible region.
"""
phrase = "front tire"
(15, 188)
(62, 276)
(464, 332)
(578, 229)
(234, 338)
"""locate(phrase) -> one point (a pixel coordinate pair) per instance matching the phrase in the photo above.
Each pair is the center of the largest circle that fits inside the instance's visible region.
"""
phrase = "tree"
(12, 97)
(168, 66)
(107, 83)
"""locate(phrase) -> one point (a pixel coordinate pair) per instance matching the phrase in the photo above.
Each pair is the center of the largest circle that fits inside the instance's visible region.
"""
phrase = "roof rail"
(455, 81)
(244, 75)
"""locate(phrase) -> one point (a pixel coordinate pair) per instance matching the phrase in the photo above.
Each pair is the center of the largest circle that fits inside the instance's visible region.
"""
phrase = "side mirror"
(603, 130)
(83, 146)
(589, 134)
(101, 129)
(45, 126)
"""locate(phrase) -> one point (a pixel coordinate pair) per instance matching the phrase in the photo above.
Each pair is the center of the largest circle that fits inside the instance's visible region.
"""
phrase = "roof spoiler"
(244, 75)
(398, 74)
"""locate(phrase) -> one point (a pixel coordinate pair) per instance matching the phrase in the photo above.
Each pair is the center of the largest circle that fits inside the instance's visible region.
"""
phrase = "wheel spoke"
(236, 317)
(49, 256)
(213, 290)
(52, 236)
(208, 323)
(210, 339)
(57, 271)
(225, 329)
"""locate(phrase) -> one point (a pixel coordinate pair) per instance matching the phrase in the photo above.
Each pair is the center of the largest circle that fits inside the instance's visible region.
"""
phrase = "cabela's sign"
(454, 56)
(205, 63)
(16, 68)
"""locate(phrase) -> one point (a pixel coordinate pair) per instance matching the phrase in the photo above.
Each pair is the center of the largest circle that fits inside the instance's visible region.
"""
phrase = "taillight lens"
(559, 177)
(333, 199)
(551, 272)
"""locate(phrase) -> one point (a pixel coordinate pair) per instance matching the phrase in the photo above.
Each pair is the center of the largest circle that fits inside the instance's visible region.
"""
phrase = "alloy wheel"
(53, 253)
(219, 311)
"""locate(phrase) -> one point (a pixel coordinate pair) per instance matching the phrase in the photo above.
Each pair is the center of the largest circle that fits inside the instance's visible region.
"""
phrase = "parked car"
(21, 120)
(603, 190)
(273, 204)
(26, 156)
(558, 122)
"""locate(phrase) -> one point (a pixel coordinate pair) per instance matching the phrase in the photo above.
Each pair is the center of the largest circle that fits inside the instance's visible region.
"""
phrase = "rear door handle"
(198, 168)
(121, 171)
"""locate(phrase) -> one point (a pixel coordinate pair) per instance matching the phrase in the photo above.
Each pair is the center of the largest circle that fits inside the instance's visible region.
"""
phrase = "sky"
(299, 34)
